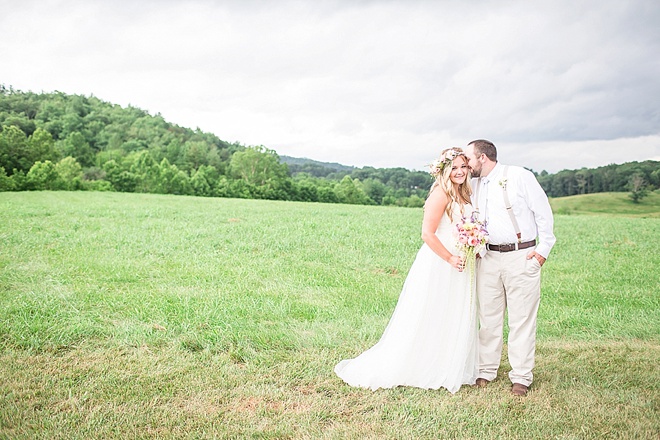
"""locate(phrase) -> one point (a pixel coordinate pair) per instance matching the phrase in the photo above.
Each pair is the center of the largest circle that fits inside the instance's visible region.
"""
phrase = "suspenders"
(509, 208)
(476, 195)
(507, 202)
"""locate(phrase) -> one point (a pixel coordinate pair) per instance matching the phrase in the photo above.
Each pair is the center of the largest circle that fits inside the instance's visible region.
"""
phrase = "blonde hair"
(464, 191)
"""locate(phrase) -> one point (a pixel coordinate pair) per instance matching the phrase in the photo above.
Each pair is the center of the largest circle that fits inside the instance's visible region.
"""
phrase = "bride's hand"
(457, 262)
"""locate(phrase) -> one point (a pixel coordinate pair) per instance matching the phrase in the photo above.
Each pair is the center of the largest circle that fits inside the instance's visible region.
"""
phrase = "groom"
(517, 212)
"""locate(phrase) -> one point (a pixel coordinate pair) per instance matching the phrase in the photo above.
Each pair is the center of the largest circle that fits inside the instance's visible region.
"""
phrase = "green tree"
(93, 173)
(41, 146)
(44, 176)
(195, 154)
(14, 151)
(120, 179)
(414, 201)
(203, 180)
(200, 184)
(173, 151)
(327, 195)
(145, 170)
(134, 145)
(20, 121)
(70, 173)
(583, 179)
(375, 190)
(6, 159)
(71, 123)
(233, 188)
(76, 146)
(350, 191)
(638, 188)
(20, 181)
(307, 191)
(6, 182)
(258, 166)
(107, 155)
(171, 180)
(655, 178)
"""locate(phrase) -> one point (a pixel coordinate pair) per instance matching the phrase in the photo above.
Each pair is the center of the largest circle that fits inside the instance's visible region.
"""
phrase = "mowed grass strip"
(610, 204)
(130, 315)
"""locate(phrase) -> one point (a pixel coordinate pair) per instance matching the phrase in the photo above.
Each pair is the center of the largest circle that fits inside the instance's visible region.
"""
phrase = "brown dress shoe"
(519, 389)
(481, 382)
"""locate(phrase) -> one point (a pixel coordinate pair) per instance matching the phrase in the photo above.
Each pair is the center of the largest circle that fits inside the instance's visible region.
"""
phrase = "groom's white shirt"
(530, 206)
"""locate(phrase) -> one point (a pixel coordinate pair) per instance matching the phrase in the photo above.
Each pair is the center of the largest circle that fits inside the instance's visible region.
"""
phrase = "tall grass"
(130, 315)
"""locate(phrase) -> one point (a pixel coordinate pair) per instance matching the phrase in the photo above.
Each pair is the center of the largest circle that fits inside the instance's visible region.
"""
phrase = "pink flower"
(470, 235)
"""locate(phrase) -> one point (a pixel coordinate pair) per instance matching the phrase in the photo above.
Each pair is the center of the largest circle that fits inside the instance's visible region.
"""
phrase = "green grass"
(614, 203)
(148, 316)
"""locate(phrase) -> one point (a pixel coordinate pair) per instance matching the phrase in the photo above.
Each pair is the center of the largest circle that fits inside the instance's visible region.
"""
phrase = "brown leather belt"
(511, 246)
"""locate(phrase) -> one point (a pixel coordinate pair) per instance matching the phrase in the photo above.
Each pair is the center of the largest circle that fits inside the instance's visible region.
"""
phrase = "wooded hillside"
(73, 142)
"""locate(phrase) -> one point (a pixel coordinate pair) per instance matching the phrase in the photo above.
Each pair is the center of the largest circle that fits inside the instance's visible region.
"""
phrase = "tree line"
(55, 141)
(630, 176)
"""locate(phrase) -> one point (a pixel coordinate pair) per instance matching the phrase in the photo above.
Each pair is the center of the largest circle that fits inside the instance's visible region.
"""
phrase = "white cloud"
(381, 83)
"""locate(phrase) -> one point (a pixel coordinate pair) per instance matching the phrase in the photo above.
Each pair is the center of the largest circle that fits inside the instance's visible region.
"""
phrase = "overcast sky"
(554, 84)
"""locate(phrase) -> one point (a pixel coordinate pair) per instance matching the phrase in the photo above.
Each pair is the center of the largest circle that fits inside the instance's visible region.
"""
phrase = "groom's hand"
(540, 258)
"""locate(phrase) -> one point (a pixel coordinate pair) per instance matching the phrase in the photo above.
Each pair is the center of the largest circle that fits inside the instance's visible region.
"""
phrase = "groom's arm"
(537, 202)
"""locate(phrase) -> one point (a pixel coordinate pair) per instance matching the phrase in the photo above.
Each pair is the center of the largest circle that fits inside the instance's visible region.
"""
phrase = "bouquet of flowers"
(471, 236)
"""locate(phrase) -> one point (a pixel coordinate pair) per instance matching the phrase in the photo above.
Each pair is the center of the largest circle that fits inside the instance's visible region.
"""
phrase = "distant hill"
(304, 161)
(51, 141)
(55, 141)
(314, 167)
(609, 203)
(609, 178)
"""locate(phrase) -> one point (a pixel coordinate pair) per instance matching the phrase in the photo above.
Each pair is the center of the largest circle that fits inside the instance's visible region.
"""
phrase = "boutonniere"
(503, 183)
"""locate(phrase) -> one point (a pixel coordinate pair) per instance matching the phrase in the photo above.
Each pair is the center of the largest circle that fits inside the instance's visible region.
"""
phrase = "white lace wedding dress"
(431, 339)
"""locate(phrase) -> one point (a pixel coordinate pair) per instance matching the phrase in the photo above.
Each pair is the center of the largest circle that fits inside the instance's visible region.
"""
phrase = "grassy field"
(149, 316)
(615, 203)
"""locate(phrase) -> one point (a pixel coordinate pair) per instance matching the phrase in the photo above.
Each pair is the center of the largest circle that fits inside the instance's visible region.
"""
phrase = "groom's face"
(473, 162)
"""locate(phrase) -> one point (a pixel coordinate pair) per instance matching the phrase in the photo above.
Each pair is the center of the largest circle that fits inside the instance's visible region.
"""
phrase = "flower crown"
(437, 166)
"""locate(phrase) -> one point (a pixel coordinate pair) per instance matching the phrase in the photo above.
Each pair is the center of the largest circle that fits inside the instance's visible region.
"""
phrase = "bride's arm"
(434, 209)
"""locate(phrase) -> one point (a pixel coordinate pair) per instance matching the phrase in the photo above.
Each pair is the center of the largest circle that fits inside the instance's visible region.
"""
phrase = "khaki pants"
(508, 280)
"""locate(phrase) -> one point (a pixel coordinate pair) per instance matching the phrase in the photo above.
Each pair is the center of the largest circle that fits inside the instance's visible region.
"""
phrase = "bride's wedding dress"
(431, 339)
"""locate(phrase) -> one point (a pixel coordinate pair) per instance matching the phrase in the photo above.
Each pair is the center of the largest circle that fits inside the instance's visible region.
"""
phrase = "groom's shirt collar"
(494, 173)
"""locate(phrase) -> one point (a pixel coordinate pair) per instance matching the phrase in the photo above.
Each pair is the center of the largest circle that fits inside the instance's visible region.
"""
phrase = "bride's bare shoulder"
(436, 202)
(436, 195)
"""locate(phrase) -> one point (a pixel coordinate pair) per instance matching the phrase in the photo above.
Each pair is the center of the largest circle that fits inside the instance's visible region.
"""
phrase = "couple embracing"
(447, 327)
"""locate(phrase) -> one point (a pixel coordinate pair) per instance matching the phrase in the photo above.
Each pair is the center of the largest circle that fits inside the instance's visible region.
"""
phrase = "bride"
(431, 339)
